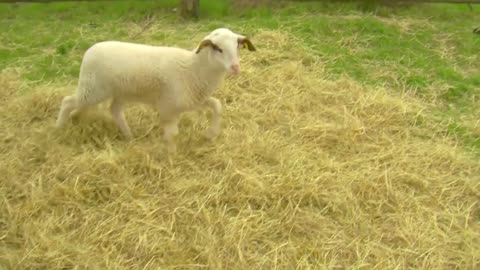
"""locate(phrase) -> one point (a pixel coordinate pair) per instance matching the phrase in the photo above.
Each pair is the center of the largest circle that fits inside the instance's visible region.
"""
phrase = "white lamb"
(171, 80)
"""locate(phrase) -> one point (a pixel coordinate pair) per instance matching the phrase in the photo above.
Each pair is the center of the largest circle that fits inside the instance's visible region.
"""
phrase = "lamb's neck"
(200, 67)
(203, 77)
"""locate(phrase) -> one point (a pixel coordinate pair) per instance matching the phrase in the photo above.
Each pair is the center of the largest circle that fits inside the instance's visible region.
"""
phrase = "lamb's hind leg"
(117, 114)
(69, 103)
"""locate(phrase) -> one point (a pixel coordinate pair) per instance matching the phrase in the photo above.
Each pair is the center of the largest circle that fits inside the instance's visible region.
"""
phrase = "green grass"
(412, 49)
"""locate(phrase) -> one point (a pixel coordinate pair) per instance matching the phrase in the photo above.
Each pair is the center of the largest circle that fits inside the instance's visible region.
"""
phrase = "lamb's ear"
(245, 42)
(208, 43)
(203, 44)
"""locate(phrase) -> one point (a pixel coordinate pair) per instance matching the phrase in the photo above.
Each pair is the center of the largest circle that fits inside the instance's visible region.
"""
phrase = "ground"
(350, 141)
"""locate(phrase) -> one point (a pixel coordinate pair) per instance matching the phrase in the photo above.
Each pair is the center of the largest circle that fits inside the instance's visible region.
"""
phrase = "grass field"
(351, 140)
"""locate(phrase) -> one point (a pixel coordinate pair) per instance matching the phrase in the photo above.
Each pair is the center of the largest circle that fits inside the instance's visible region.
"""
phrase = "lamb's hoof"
(128, 138)
(59, 125)
(211, 133)
(172, 149)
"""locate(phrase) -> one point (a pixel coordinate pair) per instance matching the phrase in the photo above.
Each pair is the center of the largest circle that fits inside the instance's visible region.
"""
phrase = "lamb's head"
(222, 46)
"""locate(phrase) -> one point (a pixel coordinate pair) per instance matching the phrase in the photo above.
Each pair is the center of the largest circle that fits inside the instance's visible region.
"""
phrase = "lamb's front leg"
(170, 131)
(215, 122)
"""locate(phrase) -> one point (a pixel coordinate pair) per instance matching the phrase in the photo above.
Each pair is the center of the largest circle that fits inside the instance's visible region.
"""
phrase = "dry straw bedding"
(308, 173)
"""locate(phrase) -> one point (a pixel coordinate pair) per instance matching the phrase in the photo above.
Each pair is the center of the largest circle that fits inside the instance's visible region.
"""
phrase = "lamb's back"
(132, 69)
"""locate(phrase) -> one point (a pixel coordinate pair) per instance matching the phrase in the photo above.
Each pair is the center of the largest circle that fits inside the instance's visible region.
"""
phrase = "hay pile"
(308, 173)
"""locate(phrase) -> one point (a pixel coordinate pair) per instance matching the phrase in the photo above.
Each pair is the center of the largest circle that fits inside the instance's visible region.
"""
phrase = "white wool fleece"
(171, 80)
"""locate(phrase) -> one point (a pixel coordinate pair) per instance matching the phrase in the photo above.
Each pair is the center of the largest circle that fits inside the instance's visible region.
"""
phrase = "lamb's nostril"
(235, 68)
